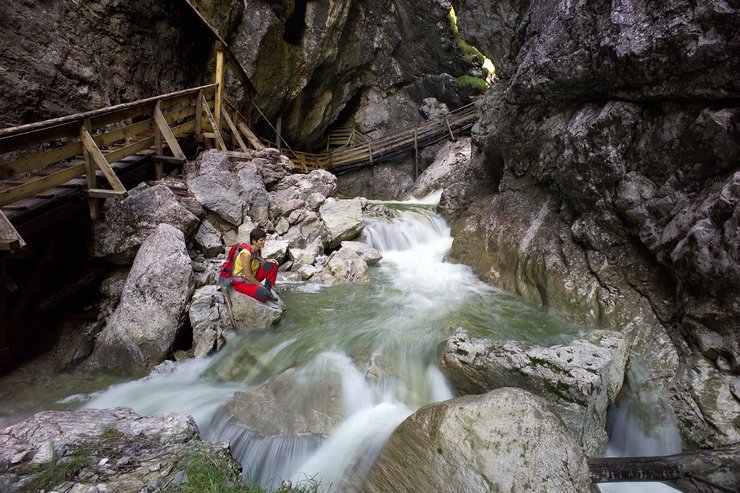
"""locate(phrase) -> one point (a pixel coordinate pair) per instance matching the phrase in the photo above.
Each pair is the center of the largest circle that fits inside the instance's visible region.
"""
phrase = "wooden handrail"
(8, 132)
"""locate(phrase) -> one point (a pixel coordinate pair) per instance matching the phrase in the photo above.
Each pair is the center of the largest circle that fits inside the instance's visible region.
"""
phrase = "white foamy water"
(380, 339)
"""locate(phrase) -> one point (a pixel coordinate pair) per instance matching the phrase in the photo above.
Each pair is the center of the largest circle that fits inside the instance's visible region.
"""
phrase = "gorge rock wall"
(368, 63)
(64, 57)
(610, 145)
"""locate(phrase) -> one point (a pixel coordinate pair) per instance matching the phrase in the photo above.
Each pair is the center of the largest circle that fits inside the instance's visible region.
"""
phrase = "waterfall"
(641, 423)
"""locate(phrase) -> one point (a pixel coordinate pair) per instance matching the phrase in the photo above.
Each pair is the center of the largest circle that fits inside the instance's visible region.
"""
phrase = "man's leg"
(259, 293)
(268, 274)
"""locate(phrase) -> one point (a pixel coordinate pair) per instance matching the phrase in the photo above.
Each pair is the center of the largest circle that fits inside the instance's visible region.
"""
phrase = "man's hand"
(272, 260)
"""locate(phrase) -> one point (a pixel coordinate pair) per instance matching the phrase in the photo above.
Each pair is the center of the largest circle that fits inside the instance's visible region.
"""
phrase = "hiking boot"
(268, 284)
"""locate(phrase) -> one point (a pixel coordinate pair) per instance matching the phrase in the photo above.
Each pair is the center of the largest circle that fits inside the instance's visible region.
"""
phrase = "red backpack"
(226, 272)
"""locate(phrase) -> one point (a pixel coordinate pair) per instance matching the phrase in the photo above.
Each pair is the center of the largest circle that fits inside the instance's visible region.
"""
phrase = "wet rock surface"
(113, 449)
(467, 444)
(611, 143)
(579, 380)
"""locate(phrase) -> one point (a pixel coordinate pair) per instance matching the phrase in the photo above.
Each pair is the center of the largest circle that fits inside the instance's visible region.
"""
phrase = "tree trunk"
(688, 467)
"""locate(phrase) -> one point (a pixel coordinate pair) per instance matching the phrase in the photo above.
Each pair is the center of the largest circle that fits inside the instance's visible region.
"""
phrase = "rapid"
(371, 347)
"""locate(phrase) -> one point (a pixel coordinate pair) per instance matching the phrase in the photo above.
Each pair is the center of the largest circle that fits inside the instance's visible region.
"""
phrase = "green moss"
(470, 53)
(477, 83)
(57, 471)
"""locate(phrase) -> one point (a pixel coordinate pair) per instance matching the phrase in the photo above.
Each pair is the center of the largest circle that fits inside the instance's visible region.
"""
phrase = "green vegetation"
(476, 83)
(214, 473)
(57, 471)
(471, 53)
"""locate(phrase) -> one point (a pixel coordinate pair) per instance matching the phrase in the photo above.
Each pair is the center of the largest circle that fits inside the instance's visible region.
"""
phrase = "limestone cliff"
(611, 149)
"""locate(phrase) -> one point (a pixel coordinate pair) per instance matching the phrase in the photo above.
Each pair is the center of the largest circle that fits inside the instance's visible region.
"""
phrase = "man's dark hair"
(256, 234)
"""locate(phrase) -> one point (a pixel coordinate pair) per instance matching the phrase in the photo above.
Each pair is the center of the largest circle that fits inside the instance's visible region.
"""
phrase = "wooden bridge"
(362, 151)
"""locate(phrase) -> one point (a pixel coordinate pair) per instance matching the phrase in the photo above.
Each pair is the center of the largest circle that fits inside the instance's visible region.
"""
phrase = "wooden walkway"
(361, 152)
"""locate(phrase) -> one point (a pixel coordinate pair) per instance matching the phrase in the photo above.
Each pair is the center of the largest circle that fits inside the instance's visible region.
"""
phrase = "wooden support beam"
(278, 131)
(199, 116)
(166, 131)
(251, 137)
(91, 177)
(4, 326)
(100, 161)
(416, 153)
(102, 193)
(220, 86)
(171, 160)
(211, 119)
(39, 185)
(235, 132)
(158, 148)
(452, 135)
(11, 240)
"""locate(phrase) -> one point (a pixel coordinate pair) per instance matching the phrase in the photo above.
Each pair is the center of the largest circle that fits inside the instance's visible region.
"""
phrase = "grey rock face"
(209, 316)
(142, 330)
(344, 265)
(309, 75)
(467, 444)
(212, 183)
(579, 380)
(208, 240)
(343, 220)
(123, 451)
(52, 65)
(620, 114)
(129, 222)
(370, 255)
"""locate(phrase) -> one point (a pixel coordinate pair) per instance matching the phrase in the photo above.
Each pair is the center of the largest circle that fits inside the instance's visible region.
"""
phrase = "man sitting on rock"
(247, 280)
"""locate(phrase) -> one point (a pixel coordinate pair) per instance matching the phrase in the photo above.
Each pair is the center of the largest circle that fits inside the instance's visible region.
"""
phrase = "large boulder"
(129, 222)
(208, 240)
(212, 182)
(343, 266)
(112, 450)
(505, 440)
(370, 255)
(209, 316)
(289, 416)
(579, 380)
(142, 330)
(254, 193)
(343, 220)
(248, 313)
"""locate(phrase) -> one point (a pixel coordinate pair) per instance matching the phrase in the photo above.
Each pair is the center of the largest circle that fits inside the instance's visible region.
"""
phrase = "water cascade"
(364, 355)
(641, 423)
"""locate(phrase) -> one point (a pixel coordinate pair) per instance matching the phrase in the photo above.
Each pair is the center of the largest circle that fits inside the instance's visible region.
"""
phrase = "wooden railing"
(50, 153)
(373, 151)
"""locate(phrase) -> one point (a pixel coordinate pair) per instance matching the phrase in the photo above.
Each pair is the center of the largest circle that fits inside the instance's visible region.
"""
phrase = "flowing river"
(378, 339)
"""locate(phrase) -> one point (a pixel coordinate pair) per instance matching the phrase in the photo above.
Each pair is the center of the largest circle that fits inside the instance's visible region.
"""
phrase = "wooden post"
(92, 179)
(452, 136)
(4, 335)
(158, 171)
(278, 138)
(220, 87)
(416, 152)
(199, 117)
